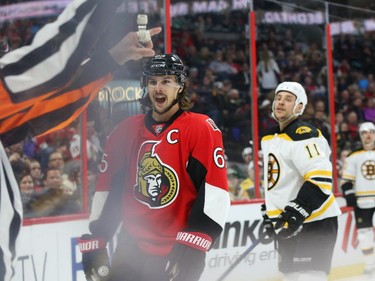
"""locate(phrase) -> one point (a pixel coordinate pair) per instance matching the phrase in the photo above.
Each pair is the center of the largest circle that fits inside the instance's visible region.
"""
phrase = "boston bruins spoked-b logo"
(157, 184)
(273, 171)
(368, 169)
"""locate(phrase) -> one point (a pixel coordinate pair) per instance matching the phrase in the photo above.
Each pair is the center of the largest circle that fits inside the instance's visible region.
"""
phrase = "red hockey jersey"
(171, 176)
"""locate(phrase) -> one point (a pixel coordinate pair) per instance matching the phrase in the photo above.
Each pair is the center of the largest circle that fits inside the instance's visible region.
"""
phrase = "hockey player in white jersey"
(298, 194)
(358, 186)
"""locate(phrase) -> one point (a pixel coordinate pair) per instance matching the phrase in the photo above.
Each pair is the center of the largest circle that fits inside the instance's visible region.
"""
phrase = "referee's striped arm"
(44, 86)
(10, 217)
(49, 79)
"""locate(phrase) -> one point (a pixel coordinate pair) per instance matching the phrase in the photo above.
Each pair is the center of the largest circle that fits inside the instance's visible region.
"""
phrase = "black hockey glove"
(186, 260)
(267, 223)
(349, 194)
(95, 260)
(291, 220)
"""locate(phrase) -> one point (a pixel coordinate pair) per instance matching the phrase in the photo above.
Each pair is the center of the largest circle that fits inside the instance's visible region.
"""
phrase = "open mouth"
(160, 100)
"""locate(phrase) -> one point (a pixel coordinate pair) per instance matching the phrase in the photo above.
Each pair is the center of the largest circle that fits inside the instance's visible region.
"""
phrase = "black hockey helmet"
(165, 64)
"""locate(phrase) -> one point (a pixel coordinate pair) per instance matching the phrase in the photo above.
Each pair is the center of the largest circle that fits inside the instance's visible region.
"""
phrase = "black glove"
(291, 220)
(349, 194)
(186, 260)
(95, 260)
(267, 223)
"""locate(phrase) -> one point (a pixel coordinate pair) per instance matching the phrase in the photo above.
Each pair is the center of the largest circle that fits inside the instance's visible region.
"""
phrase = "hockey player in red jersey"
(298, 193)
(358, 186)
(163, 175)
(46, 85)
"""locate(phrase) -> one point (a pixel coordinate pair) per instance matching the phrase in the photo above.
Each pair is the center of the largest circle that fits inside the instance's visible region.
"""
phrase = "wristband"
(196, 240)
(88, 245)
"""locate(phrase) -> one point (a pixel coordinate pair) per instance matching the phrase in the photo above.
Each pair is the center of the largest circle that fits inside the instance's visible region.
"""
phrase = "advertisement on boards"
(50, 251)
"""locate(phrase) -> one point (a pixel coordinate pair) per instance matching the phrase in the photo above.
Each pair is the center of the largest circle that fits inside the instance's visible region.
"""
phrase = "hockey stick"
(248, 250)
(240, 258)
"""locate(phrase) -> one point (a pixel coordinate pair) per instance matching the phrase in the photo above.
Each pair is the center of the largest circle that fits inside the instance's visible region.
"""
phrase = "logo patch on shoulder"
(303, 130)
(213, 125)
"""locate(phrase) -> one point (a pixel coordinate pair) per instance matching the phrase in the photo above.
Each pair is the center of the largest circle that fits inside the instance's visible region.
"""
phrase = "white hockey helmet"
(367, 126)
(297, 90)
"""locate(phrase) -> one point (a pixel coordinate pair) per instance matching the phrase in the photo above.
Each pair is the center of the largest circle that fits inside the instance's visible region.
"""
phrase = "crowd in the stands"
(216, 50)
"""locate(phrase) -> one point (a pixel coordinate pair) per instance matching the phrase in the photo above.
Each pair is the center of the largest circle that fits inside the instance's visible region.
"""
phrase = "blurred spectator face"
(206, 80)
(345, 94)
(227, 85)
(357, 102)
(53, 179)
(320, 106)
(27, 184)
(344, 127)
(35, 170)
(339, 117)
(56, 160)
(309, 111)
(193, 73)
(233, 179)
(320, 115)
(16, 148)
(204, 52)
(247, 154)
(219, 55)
(370, 103)
(234, 96)
(352, 118)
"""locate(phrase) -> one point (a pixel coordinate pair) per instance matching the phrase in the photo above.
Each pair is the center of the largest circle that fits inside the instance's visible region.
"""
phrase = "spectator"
(343, 101)
(36, 174)
(26, 185)
(339, 118)
(268, 71)
(56, 161)
(19, 161)
(53, 200)
(369, 110)
(221, 67)
(232, 120)
(344, 139)
(353, 125)
(247, 155)
(241, 80)
(247, 186)
(341, 160)
(265, 120)
(320, 121)
(234, 180)
(320, 105)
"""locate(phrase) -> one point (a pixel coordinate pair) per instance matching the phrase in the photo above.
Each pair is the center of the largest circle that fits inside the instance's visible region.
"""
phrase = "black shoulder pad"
(299, 130)
(271, 131)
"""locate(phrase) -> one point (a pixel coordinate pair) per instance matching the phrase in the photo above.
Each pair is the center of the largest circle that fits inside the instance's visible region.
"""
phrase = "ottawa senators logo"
(157, 184)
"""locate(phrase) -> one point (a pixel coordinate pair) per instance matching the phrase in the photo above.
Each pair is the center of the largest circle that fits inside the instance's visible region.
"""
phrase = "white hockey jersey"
(359, 167)
(297, 158)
